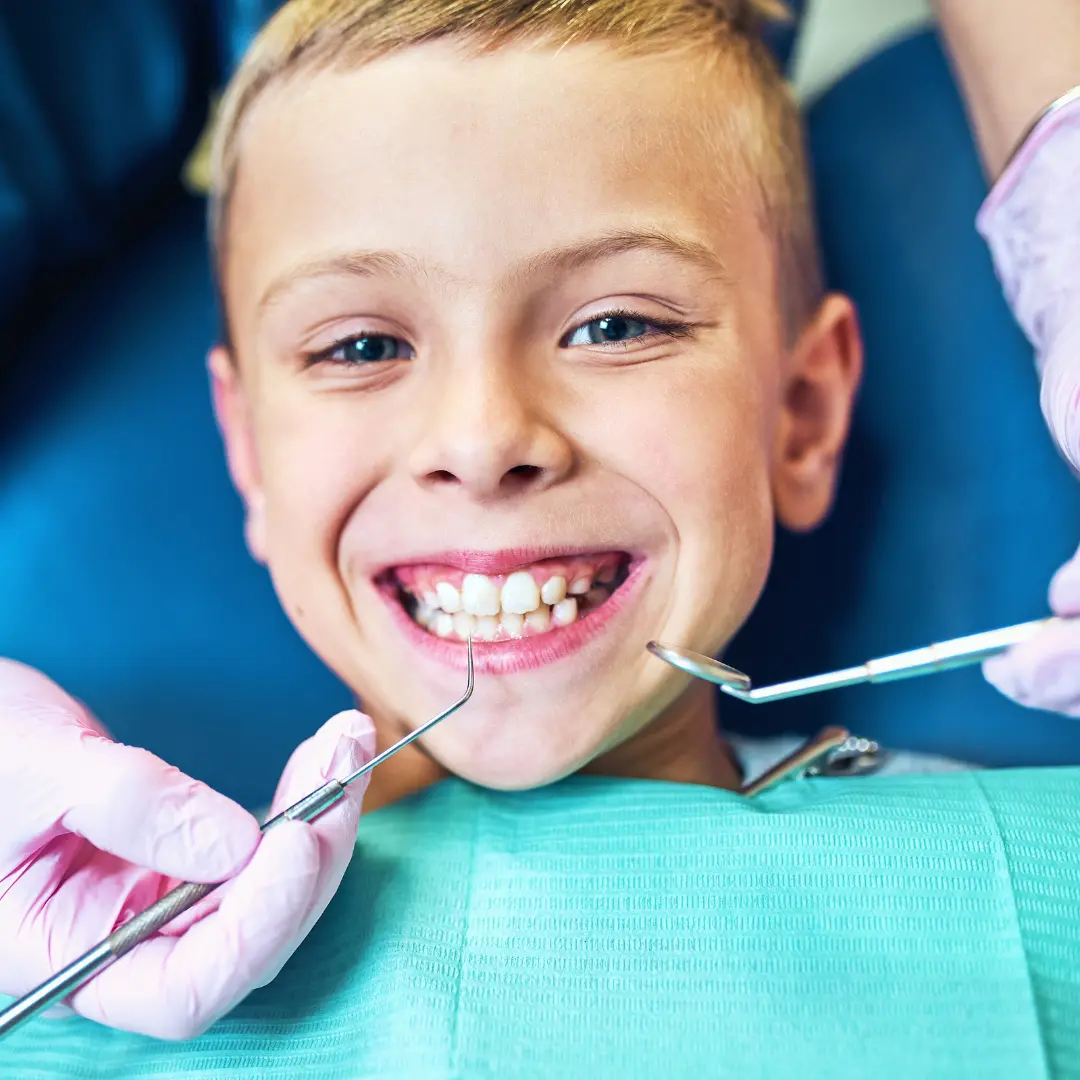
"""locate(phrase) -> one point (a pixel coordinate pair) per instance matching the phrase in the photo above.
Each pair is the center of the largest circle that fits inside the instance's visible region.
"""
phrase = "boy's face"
(505, 314)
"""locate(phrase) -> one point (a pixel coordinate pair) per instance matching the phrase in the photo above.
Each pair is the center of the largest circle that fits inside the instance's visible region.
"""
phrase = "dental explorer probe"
(140, 927)
(929, 660)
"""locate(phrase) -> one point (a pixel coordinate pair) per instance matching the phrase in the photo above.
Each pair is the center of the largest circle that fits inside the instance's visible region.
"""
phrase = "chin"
(517, 748)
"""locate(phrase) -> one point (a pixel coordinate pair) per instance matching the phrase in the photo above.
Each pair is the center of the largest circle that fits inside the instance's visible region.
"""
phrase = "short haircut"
(307, 36)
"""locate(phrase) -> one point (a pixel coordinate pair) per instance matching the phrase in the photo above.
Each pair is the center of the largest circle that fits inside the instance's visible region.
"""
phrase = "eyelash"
(656, 327)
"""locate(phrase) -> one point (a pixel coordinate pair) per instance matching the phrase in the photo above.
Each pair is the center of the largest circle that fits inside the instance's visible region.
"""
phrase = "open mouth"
(540, 598)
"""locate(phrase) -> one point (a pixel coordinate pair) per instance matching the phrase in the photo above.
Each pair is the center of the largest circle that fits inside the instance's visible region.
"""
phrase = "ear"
(822, 376)
(231, 408)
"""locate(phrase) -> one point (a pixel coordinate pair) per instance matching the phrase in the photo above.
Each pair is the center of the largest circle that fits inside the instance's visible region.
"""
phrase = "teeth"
(539, 621)
(519, 594)
(449, 597)
(553, 590)
(564, 612)
(479, 607)
(479, 595)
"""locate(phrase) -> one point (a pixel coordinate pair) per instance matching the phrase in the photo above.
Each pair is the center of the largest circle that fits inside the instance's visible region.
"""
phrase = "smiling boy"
(526, 337)
(527, 340)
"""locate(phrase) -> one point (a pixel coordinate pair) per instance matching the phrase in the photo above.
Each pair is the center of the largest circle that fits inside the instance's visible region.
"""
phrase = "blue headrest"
(99, 104)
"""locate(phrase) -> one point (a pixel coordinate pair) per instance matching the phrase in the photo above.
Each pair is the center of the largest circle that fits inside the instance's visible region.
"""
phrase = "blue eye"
(365, 349)
(617, 328)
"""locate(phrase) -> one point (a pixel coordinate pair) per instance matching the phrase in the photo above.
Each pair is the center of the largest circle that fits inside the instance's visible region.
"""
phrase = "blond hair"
(313, 35)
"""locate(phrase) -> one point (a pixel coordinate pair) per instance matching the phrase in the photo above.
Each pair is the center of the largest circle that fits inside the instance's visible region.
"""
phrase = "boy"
(527, 340)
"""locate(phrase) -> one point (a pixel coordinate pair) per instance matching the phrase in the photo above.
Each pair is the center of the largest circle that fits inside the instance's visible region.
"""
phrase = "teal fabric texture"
(914, 927)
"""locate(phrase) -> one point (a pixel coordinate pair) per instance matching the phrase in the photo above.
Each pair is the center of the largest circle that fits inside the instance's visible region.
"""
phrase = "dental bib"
(909, 927)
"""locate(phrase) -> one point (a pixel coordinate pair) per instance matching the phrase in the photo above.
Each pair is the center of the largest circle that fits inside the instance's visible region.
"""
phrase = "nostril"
(522, 475)
(443, 476)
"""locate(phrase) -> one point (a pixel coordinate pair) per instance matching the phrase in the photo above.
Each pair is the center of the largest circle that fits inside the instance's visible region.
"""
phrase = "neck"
(683, 745)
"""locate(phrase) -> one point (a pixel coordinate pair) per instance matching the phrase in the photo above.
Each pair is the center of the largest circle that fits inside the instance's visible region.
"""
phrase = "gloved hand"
(1044, 672)
(1031, 221)
(93, 832)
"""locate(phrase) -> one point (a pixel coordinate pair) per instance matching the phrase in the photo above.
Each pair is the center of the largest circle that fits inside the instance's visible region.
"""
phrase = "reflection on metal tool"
(943, 656)
(144, 926)
(832, 752)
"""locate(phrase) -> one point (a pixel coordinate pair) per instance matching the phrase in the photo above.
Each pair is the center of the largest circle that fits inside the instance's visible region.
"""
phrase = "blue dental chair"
(123, 573)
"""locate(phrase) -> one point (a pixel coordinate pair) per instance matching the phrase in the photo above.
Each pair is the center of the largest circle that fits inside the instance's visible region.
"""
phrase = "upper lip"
(504, 561)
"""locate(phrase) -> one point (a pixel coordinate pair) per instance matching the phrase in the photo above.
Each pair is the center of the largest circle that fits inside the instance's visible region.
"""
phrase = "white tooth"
(579, 586)
(443, 624)
(520, 594)
(464, 624)
(564, 612)
(554, 589)
(449, 598)
(479, 595)
(424, 615)
(539, 621)
(431, 600)
(513, 624)
(486, 627)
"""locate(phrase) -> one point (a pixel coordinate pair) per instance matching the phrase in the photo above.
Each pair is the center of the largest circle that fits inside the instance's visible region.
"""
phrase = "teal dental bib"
(910, 927)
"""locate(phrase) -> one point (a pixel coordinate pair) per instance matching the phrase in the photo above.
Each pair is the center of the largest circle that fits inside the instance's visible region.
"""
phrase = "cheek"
(700, 441)
(318, 460)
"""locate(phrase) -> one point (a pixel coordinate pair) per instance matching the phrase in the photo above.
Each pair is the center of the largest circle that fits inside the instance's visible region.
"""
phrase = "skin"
(684, 450)
(1012, 60)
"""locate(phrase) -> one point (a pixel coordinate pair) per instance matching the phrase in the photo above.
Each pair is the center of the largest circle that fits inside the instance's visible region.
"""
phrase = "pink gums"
(421, 578)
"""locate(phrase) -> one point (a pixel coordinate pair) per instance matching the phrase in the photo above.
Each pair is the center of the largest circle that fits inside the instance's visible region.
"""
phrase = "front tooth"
(443, 624)
(579, 586)
(479, 595)
(554, 589)
(520, 594)
(431, 600)
(449, 597)
(514, 625)
(464, 624)
(539, 621)
(564, 612)
(486, 627)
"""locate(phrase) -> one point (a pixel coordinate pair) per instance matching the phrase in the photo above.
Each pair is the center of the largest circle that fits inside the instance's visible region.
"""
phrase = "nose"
(486, 432)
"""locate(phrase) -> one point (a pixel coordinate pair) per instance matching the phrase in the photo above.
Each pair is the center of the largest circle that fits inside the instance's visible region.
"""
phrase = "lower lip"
(522, 654)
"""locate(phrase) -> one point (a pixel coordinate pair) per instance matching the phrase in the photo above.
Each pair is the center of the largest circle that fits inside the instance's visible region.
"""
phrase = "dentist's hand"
(93, 832)
(1044, 673)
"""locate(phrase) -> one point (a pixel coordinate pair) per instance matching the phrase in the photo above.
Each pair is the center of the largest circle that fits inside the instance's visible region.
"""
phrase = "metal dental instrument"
(943, 656)
(149, 922)
(827, 753)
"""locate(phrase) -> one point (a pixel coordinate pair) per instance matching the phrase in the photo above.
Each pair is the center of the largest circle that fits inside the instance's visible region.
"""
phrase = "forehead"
(458, 159)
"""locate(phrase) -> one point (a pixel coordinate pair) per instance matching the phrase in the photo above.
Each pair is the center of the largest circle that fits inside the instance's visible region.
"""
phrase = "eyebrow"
(547, 263)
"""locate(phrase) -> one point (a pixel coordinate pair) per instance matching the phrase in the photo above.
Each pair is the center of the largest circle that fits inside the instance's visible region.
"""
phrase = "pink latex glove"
(93, 832)
(1031, 220)
(1044, 673)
